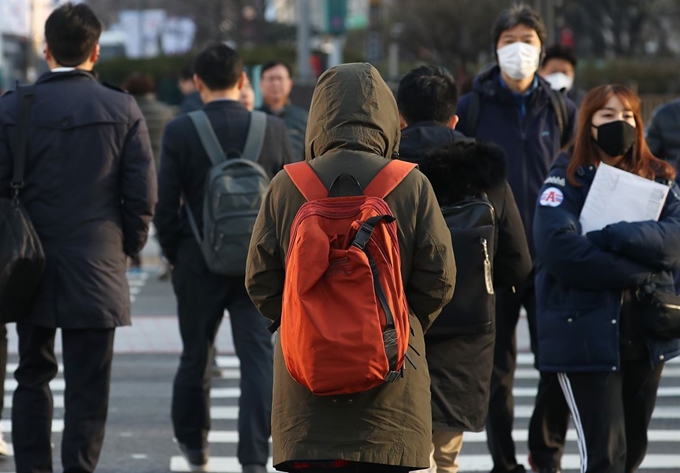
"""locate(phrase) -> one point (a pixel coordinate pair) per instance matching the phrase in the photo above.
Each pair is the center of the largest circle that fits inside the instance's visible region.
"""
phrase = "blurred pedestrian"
(248, 95)
(513, 107)
(203, 295)
(559, 69)
(459, 168)
(276, 84)
(591, 325)
(90, 189)
(354, 130)
(157, 115)
(663, 133)
(192, 99)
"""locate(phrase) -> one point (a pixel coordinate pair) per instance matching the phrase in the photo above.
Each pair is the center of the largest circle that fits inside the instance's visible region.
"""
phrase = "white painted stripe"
(136, 282)
(230, 373)
(467, 463)
(660, 412)
(521, 435)
(222, 413)
(57, 425)
(55, 385)
(58, 401)
(231, 361)
(135, 290)
(12, 367)
(228, 361)
(234, 393)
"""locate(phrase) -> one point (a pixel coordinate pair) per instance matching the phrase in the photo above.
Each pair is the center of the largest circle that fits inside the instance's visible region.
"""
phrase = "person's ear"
(198, 83)
(242, 81)
(95, 53)
(453, 122)
(402, 122)
(48, 53)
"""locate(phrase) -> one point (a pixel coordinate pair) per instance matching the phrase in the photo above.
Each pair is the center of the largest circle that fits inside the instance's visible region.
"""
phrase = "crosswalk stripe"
(466, 462)
(55, 385)
(57, 425)
(519, 435)
(233, 393)
(12, 367)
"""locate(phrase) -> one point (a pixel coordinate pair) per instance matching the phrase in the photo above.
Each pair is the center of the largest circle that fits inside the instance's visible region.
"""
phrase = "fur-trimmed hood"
(463, 169)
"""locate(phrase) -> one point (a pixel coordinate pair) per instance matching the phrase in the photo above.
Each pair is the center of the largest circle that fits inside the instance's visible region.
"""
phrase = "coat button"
(613, 321)
(613, 368)
(662, 357)
(335, 401)
(570, 320)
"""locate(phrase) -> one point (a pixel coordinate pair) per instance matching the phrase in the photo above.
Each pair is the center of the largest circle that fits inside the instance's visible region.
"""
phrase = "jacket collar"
(489, 84)
(223, 104)
(75, 73)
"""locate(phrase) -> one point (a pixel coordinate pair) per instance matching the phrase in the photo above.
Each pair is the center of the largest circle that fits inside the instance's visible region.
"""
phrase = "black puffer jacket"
(460, 366)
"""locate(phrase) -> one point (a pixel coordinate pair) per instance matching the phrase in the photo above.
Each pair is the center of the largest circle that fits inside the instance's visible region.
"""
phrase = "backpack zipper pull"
(488, 278)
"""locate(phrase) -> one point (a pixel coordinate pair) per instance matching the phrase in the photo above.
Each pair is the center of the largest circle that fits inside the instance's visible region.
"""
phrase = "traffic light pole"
(304, 72)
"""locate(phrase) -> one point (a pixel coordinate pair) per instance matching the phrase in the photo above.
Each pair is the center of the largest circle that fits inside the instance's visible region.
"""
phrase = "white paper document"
(619, 196)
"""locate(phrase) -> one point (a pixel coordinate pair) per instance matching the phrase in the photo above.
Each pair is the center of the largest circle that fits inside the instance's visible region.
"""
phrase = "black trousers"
(357, 467)
(550, 419)
(611, 413)
(87, 356)
(201, 299)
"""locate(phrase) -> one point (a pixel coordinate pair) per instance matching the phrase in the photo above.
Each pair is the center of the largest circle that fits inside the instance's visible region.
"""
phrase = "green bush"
(650, 76)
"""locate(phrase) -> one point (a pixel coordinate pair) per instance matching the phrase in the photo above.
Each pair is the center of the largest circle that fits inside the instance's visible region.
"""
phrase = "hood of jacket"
(352, 109)
(420, 137)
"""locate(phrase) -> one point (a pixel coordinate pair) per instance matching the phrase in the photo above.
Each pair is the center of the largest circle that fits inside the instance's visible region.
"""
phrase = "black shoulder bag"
(659, 307)
(22, 259)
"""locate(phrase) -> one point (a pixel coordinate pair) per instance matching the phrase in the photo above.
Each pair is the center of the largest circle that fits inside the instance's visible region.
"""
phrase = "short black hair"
(139, 84)
(72, 33)
(186, 72)
(427, 93)
(270, 64)
(218, 66)
(518, 14)
(559, 51)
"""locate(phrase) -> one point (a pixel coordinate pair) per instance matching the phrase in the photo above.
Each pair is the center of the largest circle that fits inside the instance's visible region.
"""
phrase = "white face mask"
(519, 60)
(559, 81)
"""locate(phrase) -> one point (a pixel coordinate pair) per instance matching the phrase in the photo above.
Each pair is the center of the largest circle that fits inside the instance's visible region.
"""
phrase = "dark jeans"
(87, 358)
(550, 420)
(201, 299)
(357, 467)
(611, 413)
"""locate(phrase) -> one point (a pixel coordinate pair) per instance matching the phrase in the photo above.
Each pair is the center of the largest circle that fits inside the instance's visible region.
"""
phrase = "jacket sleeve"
(512, 261)
(433, 271)
(166, 219)
(137, 184)
(265, 272)
(572, 114)
(569, 256)
(461, 112)
(6, 164)
(656, 244)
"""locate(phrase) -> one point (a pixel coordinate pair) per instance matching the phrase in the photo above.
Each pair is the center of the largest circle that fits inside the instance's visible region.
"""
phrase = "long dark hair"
(639, 160)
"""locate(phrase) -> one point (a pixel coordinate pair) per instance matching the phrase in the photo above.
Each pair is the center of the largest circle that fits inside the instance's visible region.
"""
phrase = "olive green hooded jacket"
(354, 128)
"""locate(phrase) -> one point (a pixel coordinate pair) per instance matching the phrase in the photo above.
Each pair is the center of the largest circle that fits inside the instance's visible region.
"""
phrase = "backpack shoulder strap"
(388, 178)
(473, 114)
(559, 105)
(306, 180)
(208, 138)
(258, 125)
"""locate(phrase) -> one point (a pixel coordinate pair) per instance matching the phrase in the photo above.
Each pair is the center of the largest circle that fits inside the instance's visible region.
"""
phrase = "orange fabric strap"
(306, 180)
(388, 178)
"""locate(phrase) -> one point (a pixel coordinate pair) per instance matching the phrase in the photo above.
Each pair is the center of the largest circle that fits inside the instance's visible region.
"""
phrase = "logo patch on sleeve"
(551, 197)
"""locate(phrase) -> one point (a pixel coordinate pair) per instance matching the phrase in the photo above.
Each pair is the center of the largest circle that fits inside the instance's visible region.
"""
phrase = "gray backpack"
(234, 191)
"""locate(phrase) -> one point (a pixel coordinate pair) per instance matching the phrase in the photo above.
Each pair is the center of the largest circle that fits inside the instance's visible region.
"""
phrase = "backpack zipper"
(488, 278)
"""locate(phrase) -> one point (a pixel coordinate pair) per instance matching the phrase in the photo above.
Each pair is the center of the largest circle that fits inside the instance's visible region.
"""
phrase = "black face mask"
(615, 138)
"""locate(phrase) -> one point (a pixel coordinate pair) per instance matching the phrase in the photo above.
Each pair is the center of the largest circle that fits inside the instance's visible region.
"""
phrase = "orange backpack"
(344, 321)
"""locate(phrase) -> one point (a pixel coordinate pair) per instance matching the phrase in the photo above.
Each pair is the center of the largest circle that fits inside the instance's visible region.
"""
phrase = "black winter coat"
(90, 191)
(460, 366)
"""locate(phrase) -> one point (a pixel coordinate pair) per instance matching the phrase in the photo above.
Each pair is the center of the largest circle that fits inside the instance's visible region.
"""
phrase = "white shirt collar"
(63, 69)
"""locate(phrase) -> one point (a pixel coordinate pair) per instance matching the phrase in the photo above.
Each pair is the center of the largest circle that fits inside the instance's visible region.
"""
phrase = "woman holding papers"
(590, 329)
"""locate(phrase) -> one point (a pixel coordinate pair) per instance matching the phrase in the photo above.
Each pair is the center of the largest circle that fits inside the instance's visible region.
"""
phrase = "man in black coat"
(90, 190)
(460, 365)
(203, 296)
